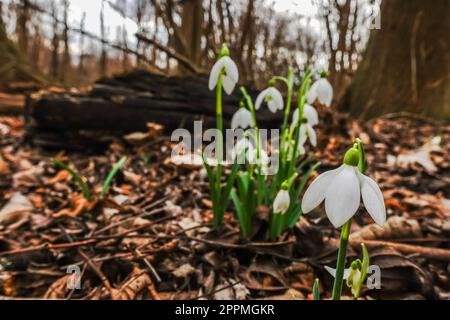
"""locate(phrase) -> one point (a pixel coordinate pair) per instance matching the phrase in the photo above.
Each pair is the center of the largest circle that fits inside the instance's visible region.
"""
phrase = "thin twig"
(432, 253)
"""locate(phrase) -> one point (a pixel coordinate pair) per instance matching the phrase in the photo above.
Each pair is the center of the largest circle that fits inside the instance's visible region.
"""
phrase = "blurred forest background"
(72, 43)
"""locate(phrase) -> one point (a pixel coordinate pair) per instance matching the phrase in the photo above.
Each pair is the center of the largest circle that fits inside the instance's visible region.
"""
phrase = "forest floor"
(151, 236)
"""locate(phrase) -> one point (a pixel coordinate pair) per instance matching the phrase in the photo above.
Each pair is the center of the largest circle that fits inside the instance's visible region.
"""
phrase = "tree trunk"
(66, 63)
(191, 26)
(406, 66)
(22, 26)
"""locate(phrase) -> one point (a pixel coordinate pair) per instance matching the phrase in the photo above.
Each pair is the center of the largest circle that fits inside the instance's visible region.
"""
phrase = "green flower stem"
(345, 232)
(249, 103)
(219, 150)
(251, 107)
(338, 280)
(296, 133)
(295, 128)
(111, 176)
(290, 86)
(316, 290)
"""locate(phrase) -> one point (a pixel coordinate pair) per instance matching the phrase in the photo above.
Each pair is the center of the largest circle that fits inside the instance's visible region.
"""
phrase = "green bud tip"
(356, 265)
(224, 51)
(351, 158)
(241, 104)
(272, 82)
(285, 185)
(324, 74)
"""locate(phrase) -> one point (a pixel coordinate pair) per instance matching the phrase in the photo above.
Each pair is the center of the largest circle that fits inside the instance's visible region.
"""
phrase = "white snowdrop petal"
(303, 132)
(332, 271)
(312, 95)
(295, 116)
(228, 84)
(310, 113)
(301, 149)
(235, 120)
(277, 98)
(260, 99)
(241, 119)
(324, 92)
(272, 106)
(214, 75)
(346, 273)
(301, 144)
(281, 202)
(241, 148)
(343, 196)
(312, 135)
(373, 200)
(315, 194)
(231, 69)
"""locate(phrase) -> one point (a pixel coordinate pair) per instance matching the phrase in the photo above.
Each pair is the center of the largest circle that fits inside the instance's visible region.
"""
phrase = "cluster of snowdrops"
(249, 185)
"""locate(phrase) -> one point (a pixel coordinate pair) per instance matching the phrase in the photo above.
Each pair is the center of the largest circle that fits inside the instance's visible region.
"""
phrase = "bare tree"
(66, 63)
(103, 55)
(81, 69)
(54, 64)
(23, 16)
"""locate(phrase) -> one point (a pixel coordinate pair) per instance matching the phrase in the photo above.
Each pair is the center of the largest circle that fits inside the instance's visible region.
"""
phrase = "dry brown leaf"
(62, 175)
(59, 288)
(28, 177)
(78, 205)
(395, 228)
(138, 280)
(4, 169)
(183, 271)
(17, 208)
(442, 205)
(420, 156)
(290, 294)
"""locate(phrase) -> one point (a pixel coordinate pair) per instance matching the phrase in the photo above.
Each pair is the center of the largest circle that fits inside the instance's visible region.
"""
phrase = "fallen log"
(126, 104)
(11, 104)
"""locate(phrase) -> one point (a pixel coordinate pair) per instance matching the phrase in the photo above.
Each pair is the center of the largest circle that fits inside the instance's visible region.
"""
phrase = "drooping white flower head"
(272, 97)
(342, 189)
(321, 90)
(307, 132)
(309, 113)
(352, 277)
(227, 70)
(242, 149)
(241, 119)
(310, 119)
(262, 159)
(281, 202)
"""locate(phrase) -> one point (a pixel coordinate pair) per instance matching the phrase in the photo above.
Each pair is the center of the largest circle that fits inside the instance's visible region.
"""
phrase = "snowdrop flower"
(351, 275)
(253, 156)
(272, 97)
(241, 119)
(281, 202)
(309, 113)
(227, 70)
(307, 131)
(332, 271)
(321, 90)
(310, 119)
(243, 147)
(342, 189)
